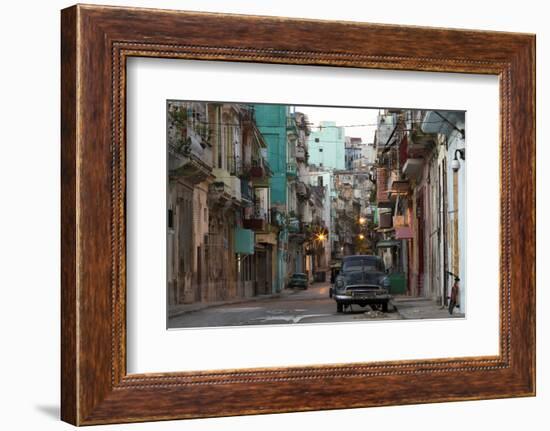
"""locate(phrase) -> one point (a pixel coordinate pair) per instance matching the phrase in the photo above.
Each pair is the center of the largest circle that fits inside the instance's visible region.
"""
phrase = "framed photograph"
(326, 215)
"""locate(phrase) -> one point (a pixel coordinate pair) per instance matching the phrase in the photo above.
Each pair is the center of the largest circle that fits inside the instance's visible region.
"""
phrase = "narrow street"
(266, 196)
(312, 305)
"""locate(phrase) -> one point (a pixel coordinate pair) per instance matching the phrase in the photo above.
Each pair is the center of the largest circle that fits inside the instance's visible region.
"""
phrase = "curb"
(230, 302)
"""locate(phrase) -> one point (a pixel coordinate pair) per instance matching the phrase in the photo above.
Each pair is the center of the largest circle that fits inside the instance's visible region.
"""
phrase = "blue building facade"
(272, 123)
(327, 146)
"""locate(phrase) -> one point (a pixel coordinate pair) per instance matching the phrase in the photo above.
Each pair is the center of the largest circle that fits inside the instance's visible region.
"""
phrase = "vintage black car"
(362, 280)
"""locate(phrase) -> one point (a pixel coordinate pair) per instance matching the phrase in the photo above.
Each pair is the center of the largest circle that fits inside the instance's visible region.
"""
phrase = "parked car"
(362, 280)
(297, 280)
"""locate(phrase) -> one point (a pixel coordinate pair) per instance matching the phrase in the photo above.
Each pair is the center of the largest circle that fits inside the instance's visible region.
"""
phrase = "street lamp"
(321, 237)
(361, 236)
(362, 220)
(455, 163)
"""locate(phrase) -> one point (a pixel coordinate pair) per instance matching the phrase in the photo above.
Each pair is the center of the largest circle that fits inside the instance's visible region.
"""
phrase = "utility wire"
(333, 127)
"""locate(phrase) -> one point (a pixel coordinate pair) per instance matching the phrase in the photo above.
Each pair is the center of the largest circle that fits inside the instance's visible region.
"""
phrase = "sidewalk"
(180, 309)
(423, 308)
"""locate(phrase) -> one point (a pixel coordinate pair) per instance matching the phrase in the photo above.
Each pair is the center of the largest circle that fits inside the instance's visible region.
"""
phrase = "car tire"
(385, 307)
(339, 307)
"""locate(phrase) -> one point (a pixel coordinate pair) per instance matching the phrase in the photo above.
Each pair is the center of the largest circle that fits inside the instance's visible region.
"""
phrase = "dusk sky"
(344, 117)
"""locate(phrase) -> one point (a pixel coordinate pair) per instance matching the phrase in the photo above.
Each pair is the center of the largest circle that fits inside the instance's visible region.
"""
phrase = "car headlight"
(385, 282)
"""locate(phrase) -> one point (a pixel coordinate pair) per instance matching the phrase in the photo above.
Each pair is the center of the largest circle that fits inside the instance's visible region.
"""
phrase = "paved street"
(301, 306)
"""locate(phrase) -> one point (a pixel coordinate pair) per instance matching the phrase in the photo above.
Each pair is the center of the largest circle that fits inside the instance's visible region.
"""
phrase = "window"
(320, 150)
(369, 263)
(316, 139)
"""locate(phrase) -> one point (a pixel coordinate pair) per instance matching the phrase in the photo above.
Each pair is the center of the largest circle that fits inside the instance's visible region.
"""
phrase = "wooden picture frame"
(95, 43)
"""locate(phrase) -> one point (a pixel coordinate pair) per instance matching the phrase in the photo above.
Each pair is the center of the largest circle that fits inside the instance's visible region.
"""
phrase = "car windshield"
(363, 263)
(301, 276)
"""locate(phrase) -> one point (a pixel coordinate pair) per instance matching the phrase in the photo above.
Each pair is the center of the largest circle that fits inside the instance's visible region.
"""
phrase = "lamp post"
(455, 163)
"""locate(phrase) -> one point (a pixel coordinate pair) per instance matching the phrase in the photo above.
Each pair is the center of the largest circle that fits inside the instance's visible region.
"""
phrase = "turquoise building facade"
(272, 123)
(327, 146)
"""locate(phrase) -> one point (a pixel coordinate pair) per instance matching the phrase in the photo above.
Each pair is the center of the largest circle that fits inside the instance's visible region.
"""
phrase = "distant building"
(299, 193)
(369, 153)
(327, 146)
(353, 151)
(320, 182)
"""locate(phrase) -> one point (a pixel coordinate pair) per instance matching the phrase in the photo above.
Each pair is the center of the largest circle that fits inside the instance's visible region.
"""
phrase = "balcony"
(190, 153)
(188, 158)
(296, 230)
(294, 225)
(442, 122)
(419, 142)
(398, 188)
(256, 172)
(269, 236)
(219, 194)
(385, 220)
(193, 169)
(258, 168)
(259, 173)
(232, 184)
(255, 224)
(300, 154)
(413, 167)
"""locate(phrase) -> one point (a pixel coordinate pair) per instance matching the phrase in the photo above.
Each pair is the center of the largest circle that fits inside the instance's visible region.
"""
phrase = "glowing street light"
(361, 236)
(362, 220)
(321, 237)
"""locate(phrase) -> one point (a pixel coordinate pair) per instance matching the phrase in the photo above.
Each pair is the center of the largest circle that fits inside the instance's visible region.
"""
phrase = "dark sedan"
(297, 280)
(362, 281)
